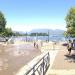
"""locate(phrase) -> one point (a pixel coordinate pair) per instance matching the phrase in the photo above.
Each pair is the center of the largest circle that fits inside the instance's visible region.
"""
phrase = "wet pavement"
(13, 57)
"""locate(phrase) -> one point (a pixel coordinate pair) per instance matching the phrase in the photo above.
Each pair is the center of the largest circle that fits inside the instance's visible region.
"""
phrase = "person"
(37, 45)
(69, 46)
(73, 44)
(34, 44)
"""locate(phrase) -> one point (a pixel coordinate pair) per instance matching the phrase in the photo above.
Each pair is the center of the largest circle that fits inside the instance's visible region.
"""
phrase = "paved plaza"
(61, 63)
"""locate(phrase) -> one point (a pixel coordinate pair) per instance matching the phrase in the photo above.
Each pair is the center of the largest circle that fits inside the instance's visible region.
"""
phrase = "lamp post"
(48, 35)
(26, 36)
(36, 36)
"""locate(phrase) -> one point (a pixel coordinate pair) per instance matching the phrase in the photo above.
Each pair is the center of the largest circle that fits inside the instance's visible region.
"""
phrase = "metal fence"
(40, 68)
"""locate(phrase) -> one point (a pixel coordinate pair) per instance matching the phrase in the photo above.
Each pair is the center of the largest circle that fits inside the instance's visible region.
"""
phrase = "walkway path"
(13, 57)
(63, 64)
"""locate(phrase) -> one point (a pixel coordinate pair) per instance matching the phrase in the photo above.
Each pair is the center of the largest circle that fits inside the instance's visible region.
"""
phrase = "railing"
(40, 68)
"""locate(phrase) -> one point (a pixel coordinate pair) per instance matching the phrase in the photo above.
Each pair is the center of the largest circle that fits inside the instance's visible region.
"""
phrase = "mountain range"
(50, 31)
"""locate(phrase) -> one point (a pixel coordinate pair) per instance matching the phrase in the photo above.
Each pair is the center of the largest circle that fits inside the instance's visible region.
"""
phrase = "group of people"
(71, 46)
(38, 44)
(35, 44)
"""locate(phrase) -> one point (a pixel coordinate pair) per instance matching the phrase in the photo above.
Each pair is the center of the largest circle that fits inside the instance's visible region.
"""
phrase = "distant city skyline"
(25, 15)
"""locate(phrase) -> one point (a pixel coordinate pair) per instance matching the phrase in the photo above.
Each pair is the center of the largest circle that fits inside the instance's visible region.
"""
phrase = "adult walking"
(34, 44)
(73, 45)
(69, 46)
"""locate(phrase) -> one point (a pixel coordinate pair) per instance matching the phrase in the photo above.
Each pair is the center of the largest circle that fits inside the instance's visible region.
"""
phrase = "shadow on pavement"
(65, 44)
(71, 58)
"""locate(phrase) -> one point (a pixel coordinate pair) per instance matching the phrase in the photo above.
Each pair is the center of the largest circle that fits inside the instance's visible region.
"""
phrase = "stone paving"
(13, 57)
(63, 64)
(60, 62)
(47, 47)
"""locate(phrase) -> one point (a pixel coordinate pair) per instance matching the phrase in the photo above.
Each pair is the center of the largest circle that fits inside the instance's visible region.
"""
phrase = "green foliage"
(7, 32)
(33, 34)
(19, 34)
(2, 22)
(70, 21)
(39, 34)
(65, 34)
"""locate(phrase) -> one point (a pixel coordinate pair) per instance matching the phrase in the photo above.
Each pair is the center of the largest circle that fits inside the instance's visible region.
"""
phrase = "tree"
(39, 34)
(2, 22)
(70, 21)
(65, 34)
(7, 32)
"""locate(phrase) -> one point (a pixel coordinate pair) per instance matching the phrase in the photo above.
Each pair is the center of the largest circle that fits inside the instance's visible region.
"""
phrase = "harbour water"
(44, 38)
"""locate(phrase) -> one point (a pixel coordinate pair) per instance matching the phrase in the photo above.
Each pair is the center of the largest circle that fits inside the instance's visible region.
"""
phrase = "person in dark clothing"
(69, 46)
(34, 44)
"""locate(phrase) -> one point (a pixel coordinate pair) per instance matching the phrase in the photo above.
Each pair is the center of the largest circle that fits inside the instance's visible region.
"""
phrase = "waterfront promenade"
(62, 64)
(15, 56)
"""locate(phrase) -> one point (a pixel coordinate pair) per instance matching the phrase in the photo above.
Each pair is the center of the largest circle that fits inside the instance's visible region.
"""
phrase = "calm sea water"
(44, 38)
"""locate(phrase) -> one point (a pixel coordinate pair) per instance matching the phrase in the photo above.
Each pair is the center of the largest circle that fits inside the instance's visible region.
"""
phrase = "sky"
(25, 15)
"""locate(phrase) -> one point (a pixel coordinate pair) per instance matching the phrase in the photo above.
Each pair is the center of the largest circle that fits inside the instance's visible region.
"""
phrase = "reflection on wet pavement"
(13, 57)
